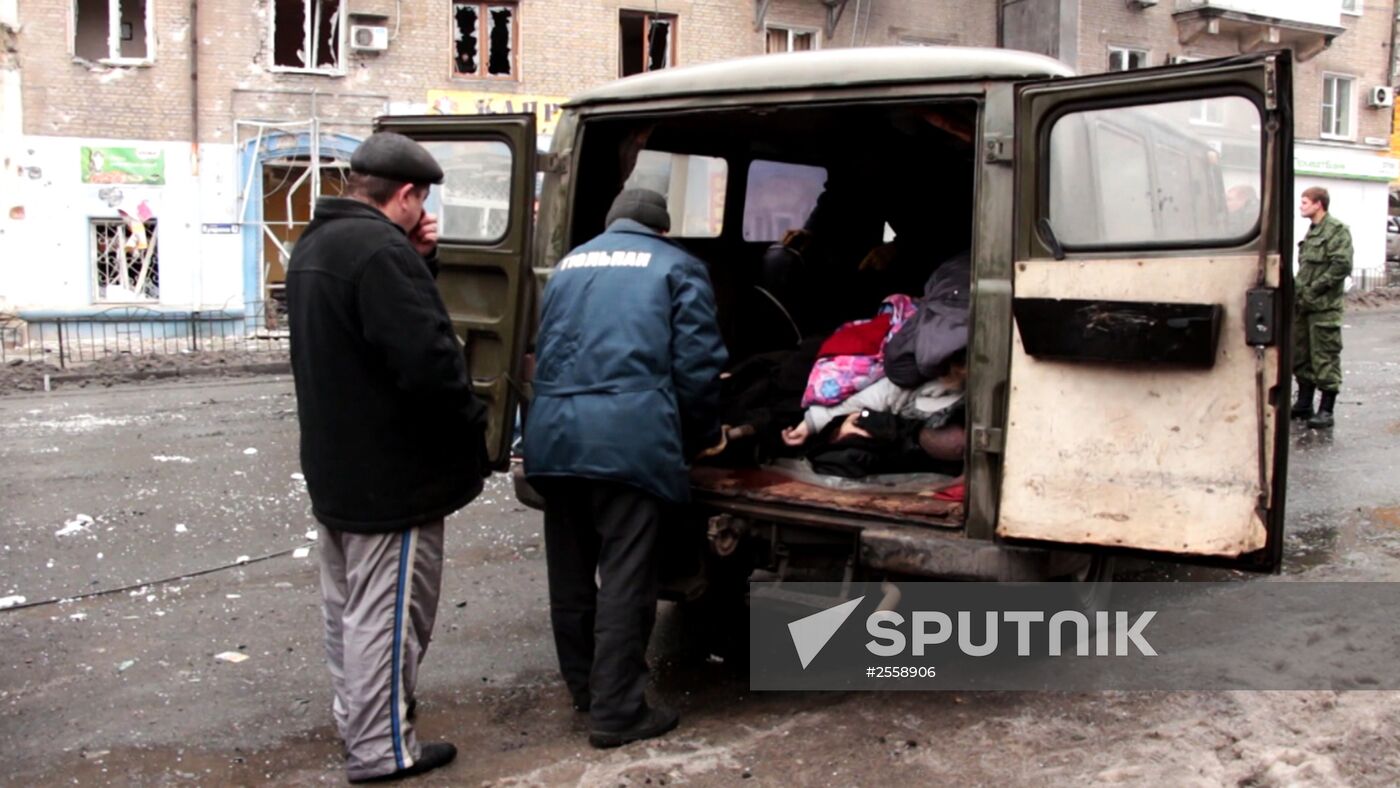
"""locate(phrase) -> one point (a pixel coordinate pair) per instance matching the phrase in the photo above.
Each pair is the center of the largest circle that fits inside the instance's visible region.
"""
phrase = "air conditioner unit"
(1382, 96)
(369, 38)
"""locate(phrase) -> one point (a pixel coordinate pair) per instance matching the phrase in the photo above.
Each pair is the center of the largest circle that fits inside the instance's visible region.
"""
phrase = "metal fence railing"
(66, 342)
(1373, 278)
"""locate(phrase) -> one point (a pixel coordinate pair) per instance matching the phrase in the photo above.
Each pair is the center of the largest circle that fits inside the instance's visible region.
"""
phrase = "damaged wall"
(84, 98)
(47, 251)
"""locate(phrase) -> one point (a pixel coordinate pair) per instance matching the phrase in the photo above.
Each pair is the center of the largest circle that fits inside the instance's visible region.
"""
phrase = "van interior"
(808, 217)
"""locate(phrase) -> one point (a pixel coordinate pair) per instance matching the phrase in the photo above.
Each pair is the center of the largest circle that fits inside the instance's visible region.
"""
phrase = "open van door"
(1149, 376)
(486, 211)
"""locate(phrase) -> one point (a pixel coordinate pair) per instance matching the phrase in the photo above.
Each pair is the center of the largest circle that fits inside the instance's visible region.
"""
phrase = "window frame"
(94, 255)
(1203, 118)
(815, 33)
(483, 32)
(749, 194)
(342, 43)
(1043, 172)
(673, 45)
(1351, 110)
(114, 23)
(1357, 10)
(1128, 51)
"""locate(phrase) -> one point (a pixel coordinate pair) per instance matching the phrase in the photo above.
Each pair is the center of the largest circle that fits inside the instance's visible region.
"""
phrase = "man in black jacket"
(391, 441)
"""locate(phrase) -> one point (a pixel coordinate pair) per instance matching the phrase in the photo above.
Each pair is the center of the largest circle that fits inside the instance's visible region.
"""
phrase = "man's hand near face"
(424, 236)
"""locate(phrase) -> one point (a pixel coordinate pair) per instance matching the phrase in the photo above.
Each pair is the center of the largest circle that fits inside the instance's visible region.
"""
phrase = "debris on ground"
(26, 374)
(1379, 298)
(79, 524)
(11, 601)
(231, 656)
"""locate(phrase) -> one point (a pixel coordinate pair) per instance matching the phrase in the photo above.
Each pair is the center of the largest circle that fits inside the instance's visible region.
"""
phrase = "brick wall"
(565, 46)
(1363, 51)
(64, 97)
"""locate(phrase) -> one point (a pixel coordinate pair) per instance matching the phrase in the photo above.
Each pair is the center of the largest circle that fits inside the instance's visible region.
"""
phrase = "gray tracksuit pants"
(379, 597)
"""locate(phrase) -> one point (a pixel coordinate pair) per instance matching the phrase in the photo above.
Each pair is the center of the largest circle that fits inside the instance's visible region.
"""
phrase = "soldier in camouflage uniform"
(1324, 263)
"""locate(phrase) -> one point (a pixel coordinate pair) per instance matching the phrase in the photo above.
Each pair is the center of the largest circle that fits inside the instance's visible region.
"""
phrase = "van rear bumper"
(916, 550)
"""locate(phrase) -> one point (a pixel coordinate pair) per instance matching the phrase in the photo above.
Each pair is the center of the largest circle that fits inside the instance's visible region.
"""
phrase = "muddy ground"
(21, 374)
(179, 477)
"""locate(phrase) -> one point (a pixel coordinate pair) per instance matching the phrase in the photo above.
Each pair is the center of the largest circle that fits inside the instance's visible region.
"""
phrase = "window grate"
(126, 259)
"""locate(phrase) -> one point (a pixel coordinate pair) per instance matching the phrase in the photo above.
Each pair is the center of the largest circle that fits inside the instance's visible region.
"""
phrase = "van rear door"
(486, 209)
(1149, 383)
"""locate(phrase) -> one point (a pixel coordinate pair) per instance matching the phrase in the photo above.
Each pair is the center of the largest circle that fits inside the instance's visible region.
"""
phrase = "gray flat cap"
(641, 205)
(397, 158)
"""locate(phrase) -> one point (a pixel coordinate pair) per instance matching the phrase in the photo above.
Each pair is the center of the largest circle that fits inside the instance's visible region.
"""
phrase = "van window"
(779, 197)
(473, 202)
(694, 188)
(1147, 175)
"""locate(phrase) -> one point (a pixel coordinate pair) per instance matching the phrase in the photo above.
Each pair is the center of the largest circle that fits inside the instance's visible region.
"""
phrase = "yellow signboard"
(470, 102)
(1395, 138)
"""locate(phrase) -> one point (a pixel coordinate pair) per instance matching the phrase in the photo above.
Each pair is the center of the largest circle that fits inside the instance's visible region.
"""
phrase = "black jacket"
(391, 435)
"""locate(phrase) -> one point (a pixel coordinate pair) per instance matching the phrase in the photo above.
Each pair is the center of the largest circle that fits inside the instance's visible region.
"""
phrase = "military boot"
(1323, 419)
(1303, 406)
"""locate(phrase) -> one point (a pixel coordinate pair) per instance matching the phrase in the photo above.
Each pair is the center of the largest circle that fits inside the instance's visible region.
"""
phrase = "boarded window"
(111, 30)
(126, 259)
(484, 39)
(647, 42)
(306, 34)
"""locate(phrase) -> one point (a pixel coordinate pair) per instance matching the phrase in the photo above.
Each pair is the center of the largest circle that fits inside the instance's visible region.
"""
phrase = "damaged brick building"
(166, 154)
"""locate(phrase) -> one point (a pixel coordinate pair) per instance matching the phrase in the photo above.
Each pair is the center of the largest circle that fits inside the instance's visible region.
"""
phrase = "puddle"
(1309, 549)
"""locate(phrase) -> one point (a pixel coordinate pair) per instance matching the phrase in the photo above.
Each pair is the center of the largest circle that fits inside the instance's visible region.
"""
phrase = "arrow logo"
(811, 634)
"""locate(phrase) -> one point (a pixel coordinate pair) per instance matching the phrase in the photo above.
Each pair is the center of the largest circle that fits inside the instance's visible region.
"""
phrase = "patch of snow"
(79, 524)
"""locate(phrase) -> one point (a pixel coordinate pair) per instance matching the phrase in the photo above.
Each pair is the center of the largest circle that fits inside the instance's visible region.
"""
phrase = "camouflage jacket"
(1324, 263)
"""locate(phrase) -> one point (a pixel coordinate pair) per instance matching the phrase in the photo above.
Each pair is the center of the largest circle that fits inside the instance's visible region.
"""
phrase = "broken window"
(648, 42)
(111, 30)
(484, 39)
(306, 34)
(127, 262)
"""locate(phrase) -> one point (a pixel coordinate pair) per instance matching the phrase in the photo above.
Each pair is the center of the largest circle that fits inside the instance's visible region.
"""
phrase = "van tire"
(1093, 585)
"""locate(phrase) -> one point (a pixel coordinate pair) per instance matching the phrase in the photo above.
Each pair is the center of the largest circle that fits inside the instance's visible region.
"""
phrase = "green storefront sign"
(135, 166)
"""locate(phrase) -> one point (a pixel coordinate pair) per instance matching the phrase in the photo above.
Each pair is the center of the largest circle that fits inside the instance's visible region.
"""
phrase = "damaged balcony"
(1306, 26)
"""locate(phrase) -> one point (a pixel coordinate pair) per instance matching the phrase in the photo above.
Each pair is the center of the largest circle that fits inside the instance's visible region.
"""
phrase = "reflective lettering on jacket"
(606, 260)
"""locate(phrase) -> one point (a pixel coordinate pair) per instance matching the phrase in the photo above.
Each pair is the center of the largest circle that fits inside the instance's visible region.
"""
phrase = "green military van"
(1128, 373)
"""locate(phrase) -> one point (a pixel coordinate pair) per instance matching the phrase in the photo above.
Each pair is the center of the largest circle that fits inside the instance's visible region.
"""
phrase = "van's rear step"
(715, 486)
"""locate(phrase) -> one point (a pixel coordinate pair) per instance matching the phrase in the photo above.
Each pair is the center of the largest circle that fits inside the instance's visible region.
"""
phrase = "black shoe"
(655, 721)
(430, 757)
(412, 712)
(1323, 419)
(1303, 406)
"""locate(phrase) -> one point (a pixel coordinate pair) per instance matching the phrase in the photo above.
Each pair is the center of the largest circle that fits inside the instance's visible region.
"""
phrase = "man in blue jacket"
(626, 393)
